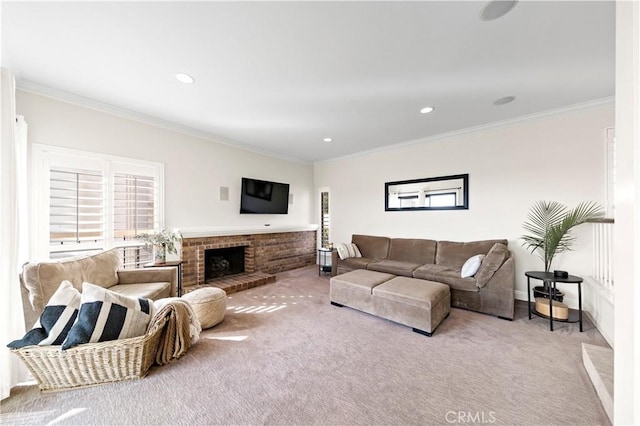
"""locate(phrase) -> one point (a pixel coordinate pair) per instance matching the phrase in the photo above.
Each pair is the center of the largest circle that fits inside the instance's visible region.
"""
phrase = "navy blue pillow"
(56, 320)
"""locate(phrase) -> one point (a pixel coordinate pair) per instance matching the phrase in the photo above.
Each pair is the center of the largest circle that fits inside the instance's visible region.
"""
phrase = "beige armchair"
(38, 281)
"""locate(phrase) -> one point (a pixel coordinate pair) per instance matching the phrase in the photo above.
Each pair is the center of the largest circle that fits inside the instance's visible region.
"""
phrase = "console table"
(175, 263)
(551, 280)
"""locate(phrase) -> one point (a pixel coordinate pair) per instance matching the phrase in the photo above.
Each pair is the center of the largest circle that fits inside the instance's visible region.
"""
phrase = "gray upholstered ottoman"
(417, 303)
(420, 304)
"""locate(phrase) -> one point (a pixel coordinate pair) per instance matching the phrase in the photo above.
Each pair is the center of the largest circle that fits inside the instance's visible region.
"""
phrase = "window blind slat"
(76, 207)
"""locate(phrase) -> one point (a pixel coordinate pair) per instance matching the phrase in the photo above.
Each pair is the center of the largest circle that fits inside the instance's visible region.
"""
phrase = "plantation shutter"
(133, 206)
(93, 202)
(133, 214)
(325, 219)
(76, 211)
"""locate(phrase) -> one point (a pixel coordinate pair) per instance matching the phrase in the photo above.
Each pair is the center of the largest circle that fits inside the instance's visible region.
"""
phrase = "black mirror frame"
(465, 193)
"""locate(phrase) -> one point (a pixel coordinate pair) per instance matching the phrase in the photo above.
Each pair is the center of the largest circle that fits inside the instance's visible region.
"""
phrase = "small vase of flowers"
(162, 242)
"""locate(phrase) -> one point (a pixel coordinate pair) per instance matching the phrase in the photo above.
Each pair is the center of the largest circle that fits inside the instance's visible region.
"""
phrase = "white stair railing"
(603, 251)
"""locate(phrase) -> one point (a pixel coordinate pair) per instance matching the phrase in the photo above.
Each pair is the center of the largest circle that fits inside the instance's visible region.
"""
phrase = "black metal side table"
(324, 260)
(175, 263)
(551, 280)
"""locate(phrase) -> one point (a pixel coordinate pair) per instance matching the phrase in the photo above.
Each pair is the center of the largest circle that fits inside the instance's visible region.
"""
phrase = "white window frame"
(44, 156)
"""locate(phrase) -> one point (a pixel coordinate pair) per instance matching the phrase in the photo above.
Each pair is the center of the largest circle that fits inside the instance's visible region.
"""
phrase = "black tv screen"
(264, 197)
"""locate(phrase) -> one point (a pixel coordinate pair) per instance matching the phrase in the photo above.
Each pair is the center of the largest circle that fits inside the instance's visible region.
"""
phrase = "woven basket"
(92, 363)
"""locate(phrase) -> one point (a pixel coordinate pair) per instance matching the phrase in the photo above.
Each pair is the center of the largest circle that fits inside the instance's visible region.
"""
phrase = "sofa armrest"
(495, 258)
(150, 275)
(498, 295)
(334, 263)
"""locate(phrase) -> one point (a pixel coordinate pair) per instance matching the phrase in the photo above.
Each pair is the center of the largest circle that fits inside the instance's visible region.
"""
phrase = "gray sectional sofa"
(491, 290)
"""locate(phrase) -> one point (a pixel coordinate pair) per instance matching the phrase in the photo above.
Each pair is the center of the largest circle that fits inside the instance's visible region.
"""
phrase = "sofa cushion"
(56, 320)
(454, 254)
(413, 292)
(447, 275)
(153, 291)
(372, 247)
(105, 315)
(412, 250)
(395, 267)
(491, 263)
(43, 278)
(361, 279)
(356, 262)
(101, 269)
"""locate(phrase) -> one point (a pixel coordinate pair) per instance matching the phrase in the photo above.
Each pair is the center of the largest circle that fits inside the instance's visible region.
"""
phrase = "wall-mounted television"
(264, 197)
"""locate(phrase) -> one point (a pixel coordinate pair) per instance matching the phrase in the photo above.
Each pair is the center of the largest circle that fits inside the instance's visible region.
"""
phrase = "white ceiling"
(280, 76)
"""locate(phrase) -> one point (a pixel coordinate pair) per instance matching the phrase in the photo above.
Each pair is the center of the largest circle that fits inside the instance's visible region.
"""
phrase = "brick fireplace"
(220, 262)
(263, 252)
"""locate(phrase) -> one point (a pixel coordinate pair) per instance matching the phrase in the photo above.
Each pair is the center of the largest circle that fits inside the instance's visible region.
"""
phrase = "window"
(76, 211)
(442, 200)
(95, 202)
(324, 219)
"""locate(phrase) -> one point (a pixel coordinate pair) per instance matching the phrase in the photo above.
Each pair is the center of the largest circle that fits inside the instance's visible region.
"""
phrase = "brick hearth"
(265, 254)
(236, 282)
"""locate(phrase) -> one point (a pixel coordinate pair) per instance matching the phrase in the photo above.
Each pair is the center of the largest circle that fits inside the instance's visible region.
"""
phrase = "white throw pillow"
(346, 250)
(471, 266)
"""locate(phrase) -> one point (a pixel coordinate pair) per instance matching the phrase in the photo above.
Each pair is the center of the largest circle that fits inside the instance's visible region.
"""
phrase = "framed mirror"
(437, 193)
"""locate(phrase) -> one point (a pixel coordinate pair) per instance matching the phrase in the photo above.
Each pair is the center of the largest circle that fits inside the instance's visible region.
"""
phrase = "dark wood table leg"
(552, 292)
(580, 305)
(529, 296)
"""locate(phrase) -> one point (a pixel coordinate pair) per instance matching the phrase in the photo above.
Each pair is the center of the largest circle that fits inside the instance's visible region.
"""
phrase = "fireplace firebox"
(220, 262)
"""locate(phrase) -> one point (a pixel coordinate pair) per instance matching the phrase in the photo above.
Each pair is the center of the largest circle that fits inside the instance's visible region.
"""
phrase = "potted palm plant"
(549, 224)
(162, 242)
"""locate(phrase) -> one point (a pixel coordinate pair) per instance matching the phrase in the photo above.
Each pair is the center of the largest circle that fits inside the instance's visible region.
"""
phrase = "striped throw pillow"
(107, 315)
(56, 320)
(346, 250)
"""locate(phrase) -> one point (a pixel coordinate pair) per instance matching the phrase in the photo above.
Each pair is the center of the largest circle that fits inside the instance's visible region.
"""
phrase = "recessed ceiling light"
(185, 78)
(327, 139)
(426, 110)
(504, 100)
(496, 9)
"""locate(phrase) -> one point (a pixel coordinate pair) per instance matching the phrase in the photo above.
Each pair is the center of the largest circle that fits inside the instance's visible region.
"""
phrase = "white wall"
(627, 216)
(598, 303)
(559, 158)
(195, 168)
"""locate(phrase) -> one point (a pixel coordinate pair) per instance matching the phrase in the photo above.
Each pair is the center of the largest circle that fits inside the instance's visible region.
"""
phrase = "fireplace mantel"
(243, 230)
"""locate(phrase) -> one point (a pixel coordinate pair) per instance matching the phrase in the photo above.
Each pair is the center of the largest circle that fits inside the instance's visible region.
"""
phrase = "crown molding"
(482, 127)
(35, 88)
(60, 95)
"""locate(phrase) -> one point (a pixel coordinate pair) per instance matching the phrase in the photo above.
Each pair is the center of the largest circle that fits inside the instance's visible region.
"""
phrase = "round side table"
(552, 280)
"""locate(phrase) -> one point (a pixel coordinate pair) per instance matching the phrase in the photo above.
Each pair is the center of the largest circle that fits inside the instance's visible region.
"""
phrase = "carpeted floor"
(284, 355)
